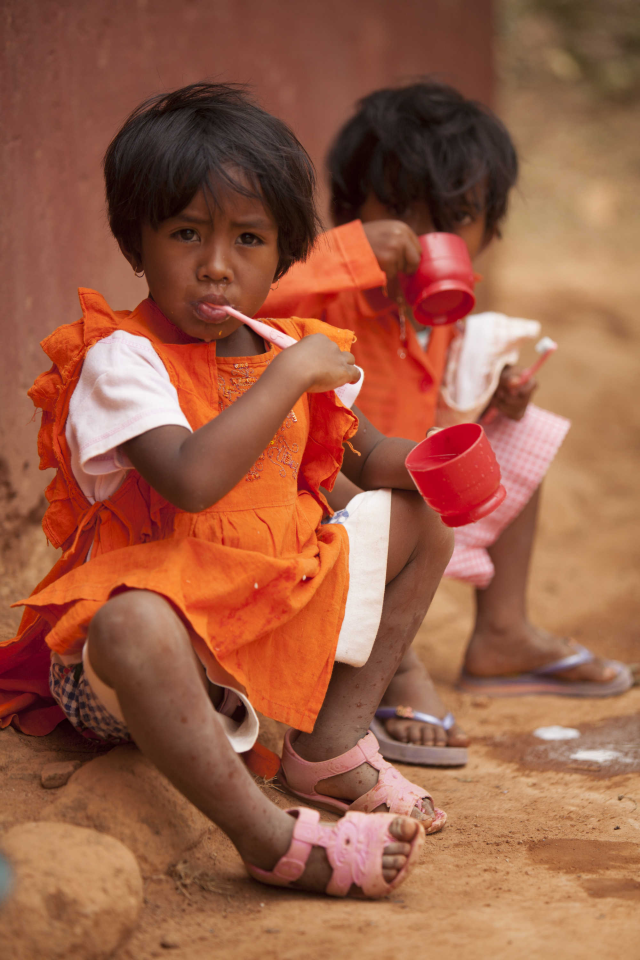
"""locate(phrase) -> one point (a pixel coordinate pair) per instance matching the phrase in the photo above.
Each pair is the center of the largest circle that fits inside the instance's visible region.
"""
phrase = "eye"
(249, 240)
(464, 219)
(186, 235)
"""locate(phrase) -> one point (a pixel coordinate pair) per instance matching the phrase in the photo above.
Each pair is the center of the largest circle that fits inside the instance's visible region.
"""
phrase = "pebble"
(55, 775)
(169, 943)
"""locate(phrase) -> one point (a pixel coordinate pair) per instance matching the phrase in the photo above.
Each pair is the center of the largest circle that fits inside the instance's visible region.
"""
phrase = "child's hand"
(395, 245)
(321, 364)
(511, 398)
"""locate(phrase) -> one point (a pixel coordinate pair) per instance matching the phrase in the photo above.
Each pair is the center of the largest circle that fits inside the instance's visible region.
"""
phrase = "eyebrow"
(258, 223)
(262, 223)
(184, 218)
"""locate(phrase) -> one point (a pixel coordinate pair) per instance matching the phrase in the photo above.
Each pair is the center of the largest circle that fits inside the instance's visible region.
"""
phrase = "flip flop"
(354, 848)
(416, 753)
(300, 777)
(542, 680)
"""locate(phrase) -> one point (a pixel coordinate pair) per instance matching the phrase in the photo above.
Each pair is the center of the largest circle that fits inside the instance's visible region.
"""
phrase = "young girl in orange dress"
(201, 577)
(410, 161)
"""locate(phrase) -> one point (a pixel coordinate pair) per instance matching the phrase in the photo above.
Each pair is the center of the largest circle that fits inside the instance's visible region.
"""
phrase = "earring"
(139, 274)
(274, 286)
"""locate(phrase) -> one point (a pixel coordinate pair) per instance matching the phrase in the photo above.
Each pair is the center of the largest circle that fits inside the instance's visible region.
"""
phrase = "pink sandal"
(354, 848)
(301, 777)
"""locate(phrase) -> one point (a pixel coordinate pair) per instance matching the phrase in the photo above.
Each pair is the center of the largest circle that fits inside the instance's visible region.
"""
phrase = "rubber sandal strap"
(291, 865)
(408, 713)
(393, 791)
(355, 846)
(306, 775)
(577, 659)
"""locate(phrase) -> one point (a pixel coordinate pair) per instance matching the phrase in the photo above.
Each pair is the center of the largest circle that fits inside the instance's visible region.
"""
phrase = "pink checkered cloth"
(524, 449)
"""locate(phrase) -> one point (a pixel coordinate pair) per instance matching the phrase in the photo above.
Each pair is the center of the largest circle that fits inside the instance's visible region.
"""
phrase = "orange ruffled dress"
(256, 576)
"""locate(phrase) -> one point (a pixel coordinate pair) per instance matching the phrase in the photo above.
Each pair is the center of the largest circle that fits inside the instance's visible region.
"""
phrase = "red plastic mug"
(457, 473)
(441, 289)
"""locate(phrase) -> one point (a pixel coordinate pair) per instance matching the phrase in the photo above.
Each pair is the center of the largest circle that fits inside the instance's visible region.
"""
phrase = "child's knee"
(439, 538)
(126, 630)
(433, 540)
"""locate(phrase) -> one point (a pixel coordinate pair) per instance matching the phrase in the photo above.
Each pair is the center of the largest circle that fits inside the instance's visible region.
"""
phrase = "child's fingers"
(355, 373)
(412, 252)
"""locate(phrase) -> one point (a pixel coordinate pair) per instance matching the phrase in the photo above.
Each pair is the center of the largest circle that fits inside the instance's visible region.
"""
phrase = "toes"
(403, 829)
(457, 737)
(440, 737)
(393, 863)
(397, 850)
(428, 808)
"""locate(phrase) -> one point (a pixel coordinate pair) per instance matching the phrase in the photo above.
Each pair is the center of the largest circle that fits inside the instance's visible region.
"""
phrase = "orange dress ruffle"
(255, 575)
(402, 381)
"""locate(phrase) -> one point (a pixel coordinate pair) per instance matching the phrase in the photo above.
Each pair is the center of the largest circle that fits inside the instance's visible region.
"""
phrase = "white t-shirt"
(123, 390)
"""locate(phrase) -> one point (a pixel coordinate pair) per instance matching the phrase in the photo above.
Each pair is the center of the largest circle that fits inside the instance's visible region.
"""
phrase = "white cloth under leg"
(366, 518)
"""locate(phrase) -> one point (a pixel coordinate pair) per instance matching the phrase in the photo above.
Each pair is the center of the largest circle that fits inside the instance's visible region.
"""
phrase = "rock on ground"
(77, 893)
(56, 775)
(123, 794)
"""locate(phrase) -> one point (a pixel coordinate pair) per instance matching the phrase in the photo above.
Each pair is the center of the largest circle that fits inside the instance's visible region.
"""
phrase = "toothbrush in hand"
(347, 393)
(545, 347)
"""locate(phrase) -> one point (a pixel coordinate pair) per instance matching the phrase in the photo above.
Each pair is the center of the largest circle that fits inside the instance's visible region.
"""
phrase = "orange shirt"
(255, 576)
(402, 380)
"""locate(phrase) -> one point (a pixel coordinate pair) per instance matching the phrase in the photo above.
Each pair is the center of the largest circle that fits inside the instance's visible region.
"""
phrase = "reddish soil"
(541, 856)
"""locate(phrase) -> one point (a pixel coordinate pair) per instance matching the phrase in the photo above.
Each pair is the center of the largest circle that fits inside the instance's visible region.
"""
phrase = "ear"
(133, 259)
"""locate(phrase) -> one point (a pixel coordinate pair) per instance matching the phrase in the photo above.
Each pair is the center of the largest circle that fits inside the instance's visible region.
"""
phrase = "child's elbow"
(192, 500)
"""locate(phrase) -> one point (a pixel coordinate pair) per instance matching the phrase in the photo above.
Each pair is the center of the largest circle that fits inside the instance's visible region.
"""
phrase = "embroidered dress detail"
(280, 451)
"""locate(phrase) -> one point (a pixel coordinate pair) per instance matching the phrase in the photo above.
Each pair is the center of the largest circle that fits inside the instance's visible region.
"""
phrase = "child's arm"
(379, 461)
(195, 470)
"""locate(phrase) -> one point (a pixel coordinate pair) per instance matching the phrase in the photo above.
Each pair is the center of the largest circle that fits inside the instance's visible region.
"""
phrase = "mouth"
(209, 308)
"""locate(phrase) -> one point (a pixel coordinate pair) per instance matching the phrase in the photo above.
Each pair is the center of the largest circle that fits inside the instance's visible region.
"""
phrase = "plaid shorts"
(71, 691)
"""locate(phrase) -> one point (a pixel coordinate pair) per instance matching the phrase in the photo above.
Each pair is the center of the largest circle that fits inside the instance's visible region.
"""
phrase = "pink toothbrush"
(347, 393)
(262, 329)
(545, 347)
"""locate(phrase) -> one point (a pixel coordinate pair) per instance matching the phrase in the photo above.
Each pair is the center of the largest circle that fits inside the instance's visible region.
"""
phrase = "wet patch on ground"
(607, 748)
(621, 889)
(577, 856)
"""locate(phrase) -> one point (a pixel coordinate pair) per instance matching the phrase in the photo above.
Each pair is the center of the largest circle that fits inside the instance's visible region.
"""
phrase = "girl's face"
(207, 256)
(471, 230)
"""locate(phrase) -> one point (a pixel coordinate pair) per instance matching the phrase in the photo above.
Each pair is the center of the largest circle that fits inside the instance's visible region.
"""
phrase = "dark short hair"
(425, 142)
(176, 143)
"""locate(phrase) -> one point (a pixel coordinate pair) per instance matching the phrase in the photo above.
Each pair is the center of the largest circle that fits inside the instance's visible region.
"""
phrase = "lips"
(209, 308)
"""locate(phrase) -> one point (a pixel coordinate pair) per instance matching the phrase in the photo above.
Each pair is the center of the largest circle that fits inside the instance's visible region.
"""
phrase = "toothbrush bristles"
(545, 345)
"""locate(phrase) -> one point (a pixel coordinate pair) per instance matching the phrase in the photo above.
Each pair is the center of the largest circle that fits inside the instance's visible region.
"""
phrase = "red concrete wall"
(73, 69)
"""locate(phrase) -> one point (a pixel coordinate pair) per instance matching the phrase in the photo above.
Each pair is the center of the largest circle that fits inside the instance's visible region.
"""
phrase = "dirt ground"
(541, 855)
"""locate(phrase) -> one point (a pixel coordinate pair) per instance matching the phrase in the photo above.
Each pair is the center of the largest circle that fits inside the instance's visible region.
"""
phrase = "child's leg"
(140, 648)
(503, 640)
(419, 549)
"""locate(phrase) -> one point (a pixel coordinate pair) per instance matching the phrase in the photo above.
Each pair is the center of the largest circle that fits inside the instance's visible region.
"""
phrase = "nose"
(215, 263)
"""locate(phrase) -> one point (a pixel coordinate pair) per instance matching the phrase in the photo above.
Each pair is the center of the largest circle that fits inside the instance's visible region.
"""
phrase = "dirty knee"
(436, 540)
(129, 627)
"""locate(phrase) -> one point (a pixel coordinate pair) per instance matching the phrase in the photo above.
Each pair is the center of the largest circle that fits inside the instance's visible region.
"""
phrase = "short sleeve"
(123, 391)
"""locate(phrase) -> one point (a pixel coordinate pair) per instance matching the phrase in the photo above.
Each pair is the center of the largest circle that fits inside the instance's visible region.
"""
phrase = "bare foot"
(318, 869)
(412, 687)
(494, 652)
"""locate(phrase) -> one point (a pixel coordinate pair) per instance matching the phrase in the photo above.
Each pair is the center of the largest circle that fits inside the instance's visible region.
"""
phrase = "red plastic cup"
(441, 289)
(457, 473)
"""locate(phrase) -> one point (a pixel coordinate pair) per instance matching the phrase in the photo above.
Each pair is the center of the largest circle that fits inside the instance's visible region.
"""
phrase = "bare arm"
(195, 470)
(381, 460)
